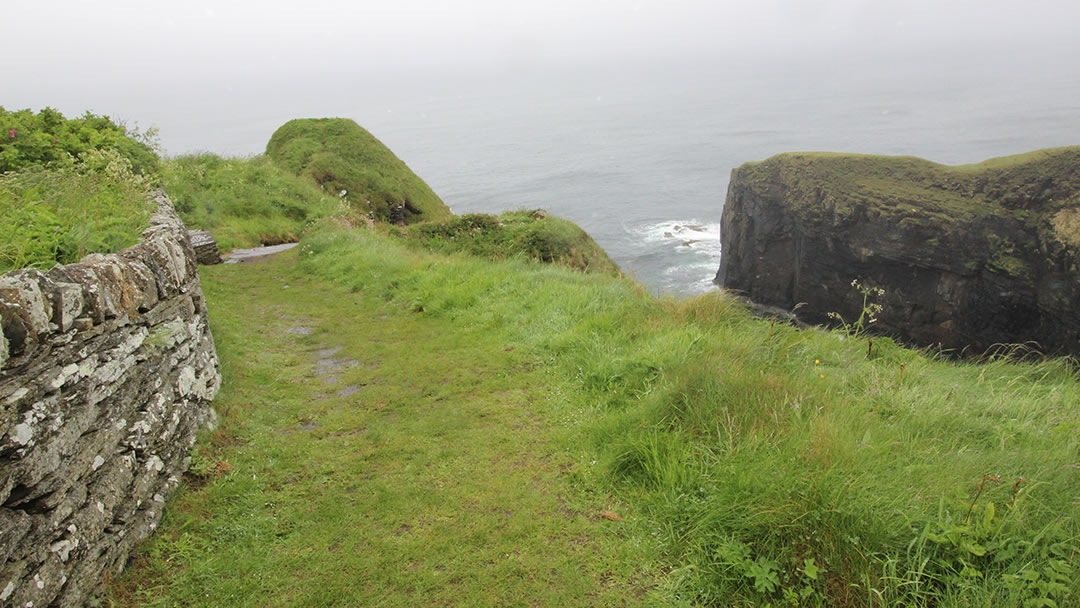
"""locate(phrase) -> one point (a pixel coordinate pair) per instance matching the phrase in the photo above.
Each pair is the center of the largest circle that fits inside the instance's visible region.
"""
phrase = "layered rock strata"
(107, 369)
(969, 257)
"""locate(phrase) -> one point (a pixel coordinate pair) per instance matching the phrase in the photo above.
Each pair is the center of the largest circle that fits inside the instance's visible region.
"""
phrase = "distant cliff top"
(342, 156)
(820, 186)
(968, 256)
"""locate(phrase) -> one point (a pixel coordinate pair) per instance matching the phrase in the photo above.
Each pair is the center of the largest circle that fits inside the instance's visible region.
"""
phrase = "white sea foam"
(688, 252)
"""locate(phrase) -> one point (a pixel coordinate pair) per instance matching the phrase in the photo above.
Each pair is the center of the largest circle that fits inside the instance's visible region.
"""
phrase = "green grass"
(729, 432)
(531, 234)
(755, 464)
(341, 155)
(420, 464)
(59, 215)
(244, 202)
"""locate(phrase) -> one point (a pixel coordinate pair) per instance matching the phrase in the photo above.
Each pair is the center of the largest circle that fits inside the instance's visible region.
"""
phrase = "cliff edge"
(969, 256)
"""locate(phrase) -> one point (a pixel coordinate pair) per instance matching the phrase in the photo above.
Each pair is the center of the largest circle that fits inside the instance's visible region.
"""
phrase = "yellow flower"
(822, 376)
(817, 361)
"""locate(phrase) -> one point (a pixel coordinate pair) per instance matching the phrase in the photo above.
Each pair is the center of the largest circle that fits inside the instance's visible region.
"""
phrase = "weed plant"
(775, 466)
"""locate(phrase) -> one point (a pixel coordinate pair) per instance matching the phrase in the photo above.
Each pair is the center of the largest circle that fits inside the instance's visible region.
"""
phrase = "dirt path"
(373, 457)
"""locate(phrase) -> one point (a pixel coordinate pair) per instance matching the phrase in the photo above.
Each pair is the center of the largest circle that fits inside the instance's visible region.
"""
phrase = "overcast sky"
(108, 56)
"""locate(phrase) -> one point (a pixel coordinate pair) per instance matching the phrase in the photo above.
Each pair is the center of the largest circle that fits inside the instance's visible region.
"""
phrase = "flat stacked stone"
(107, 370)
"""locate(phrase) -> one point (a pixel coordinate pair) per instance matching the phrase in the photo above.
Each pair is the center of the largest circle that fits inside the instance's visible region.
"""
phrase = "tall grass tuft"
(72, 208)
(244, 202)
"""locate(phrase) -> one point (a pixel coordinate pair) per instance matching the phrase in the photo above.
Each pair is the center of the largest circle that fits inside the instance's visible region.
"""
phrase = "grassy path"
(369, 456)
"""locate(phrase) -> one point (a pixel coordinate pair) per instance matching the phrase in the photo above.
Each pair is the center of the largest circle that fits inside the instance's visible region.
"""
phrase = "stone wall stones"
(205, 246)
(107, 370)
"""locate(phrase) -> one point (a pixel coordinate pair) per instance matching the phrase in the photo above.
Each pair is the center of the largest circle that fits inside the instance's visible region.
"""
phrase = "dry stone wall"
(107, 370)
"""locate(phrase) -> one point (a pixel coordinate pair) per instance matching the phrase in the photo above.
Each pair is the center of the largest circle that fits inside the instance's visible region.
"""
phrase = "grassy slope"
(909, 186)
(752, 448)
(342, 155)
(756, 464)
(244, 202)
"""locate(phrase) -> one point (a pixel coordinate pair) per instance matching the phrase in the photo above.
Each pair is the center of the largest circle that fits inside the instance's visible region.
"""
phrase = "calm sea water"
(640, 156)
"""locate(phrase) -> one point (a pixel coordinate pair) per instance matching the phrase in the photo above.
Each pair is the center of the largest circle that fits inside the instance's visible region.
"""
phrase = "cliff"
(969, 256)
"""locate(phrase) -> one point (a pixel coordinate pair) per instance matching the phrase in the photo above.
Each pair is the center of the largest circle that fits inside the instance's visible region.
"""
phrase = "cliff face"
(968, 256)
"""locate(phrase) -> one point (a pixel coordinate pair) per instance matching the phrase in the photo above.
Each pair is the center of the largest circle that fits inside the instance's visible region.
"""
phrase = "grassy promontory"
(342, 156)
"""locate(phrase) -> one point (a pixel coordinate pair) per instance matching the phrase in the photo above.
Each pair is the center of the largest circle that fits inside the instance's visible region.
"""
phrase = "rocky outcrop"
(969, 256)
(107, 368)
(205, 246)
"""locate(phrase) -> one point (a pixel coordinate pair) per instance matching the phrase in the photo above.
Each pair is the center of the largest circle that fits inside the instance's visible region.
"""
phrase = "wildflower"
(817, 361)
(12, 133)
(822, 376)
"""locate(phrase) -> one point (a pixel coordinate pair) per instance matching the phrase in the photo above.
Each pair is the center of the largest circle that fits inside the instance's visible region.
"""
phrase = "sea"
(639, 154)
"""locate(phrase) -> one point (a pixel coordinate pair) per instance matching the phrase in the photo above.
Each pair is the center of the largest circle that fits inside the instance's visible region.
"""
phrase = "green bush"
(28, 139)
(530, 234)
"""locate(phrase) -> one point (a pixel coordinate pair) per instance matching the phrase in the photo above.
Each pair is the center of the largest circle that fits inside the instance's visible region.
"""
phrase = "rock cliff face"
(969, 256)
(107, 369)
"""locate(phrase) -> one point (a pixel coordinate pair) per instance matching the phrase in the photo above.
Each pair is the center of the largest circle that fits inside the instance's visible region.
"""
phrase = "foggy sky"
(133, 58)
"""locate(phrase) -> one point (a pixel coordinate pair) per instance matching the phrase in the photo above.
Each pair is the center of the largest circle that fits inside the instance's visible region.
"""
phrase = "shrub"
(28, 139)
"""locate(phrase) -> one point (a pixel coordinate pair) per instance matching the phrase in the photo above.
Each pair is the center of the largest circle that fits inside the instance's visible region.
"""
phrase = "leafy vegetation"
(28, 139)
(61, 213)
(344, 158)
(754, 464)
(244, 202)
(531, 234)
(70, 187)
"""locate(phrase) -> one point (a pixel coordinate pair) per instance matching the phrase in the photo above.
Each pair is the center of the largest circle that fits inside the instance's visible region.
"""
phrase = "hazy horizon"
(203, 72)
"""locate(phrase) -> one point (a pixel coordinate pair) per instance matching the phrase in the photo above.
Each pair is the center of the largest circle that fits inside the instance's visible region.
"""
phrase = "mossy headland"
(343, 157)
(969, 256)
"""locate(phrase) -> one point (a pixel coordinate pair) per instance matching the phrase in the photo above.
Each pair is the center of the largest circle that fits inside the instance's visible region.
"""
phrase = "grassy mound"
(1042, 183)
(244, 202)
(342, 156)
(531, 234)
